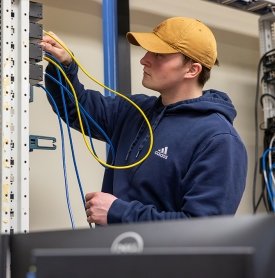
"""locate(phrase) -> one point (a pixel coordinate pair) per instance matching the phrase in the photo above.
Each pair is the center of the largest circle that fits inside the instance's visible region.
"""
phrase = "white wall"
(78, 23)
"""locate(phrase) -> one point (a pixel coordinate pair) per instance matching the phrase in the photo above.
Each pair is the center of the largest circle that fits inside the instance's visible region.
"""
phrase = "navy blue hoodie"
(198, 164)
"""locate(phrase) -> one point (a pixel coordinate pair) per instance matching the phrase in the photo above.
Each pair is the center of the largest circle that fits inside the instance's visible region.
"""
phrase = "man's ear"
(194, 70)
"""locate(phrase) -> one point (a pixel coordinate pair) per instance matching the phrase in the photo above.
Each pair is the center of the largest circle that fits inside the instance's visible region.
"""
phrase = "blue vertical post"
(109, 18)
(109, 14)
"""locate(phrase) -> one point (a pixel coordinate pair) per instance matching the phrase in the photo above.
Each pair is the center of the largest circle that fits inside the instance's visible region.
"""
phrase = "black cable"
(263, 198)
(256, 131)
(266, 95)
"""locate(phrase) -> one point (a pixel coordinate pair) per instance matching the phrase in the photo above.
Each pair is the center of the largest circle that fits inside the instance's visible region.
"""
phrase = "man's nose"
(145, 61)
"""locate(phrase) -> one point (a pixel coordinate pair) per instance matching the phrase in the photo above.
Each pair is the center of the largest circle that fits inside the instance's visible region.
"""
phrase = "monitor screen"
(177, 262)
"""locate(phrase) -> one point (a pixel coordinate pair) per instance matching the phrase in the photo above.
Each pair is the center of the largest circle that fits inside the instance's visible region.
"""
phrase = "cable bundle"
(83, 115)
(267, 190)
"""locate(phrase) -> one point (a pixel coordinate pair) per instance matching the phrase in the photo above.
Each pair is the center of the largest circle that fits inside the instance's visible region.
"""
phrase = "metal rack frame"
(254, 6)
(267, 43)
(14, 107)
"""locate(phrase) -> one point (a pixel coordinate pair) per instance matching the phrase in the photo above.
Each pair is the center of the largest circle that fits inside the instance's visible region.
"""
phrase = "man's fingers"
(47, 46)
(47, 39)
(88, 199)
(89, 219)
(50, 45)
(88, 212)
(88, 205)
(89, 196)
(51, 41)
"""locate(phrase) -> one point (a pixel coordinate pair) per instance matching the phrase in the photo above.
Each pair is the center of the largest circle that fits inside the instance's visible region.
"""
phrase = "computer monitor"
(253, 232)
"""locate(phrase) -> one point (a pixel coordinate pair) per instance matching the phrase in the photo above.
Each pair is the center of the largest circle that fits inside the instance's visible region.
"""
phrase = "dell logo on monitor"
(129, 242)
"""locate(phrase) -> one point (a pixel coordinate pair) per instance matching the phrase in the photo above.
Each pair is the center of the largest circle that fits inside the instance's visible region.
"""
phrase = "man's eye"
(158, 55)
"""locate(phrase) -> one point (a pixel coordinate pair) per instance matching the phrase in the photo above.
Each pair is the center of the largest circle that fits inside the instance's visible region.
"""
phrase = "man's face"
(163, 72)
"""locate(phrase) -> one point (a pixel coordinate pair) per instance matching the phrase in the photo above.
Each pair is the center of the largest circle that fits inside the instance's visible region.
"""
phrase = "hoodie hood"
(212, 101)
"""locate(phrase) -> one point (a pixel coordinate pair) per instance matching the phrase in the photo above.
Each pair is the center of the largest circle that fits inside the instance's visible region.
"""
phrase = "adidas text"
(162, 153)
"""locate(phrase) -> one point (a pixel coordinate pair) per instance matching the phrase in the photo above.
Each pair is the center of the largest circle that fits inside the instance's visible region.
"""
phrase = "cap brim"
(150, 42)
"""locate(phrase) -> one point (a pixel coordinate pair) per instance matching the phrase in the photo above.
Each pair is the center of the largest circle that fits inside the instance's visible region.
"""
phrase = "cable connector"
(269, 76)
(269, 61)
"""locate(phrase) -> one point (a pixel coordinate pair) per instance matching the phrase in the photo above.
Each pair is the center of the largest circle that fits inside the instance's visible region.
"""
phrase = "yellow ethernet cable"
(111, 90)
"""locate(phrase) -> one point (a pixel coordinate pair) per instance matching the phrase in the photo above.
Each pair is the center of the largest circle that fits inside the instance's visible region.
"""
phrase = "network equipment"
(253, 6)
(35, 50)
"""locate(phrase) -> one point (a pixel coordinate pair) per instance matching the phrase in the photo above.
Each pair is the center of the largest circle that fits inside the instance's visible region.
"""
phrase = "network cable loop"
(118, 167)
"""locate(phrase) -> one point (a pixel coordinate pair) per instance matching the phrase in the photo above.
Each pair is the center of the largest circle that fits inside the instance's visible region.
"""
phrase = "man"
(198, 164)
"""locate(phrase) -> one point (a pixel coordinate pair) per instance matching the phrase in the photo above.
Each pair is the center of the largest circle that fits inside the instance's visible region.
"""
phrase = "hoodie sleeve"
(103, 109)
(213, 185)
(134, 211)
(108, 112)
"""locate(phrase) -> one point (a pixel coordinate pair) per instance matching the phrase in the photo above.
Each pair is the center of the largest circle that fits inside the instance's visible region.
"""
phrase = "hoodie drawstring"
(135, 140)
(154, 125)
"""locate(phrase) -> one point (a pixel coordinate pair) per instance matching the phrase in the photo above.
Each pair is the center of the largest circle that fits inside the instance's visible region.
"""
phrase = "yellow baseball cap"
(180, 34)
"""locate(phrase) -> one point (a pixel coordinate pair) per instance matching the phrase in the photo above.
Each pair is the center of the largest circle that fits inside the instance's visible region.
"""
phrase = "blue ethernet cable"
(63, 155)
(62, 87)
(70, 139)
(84, 112)
(270, 190)
(108, 141)
(71, 143)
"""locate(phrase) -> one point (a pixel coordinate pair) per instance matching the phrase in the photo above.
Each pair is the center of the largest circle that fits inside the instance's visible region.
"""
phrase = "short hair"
(205, 73)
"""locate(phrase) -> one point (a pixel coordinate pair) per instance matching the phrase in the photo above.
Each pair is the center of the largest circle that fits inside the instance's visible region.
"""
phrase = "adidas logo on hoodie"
(162, 152)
